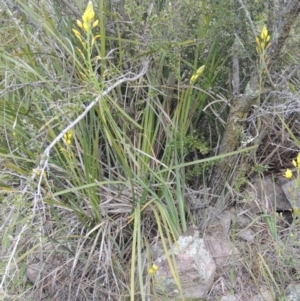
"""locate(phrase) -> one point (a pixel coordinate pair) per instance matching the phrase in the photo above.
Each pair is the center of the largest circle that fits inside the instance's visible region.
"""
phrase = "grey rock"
(195, 266)
(264, 295)
(265, 194)
(292, 192)
(292, 292)
(217, 241)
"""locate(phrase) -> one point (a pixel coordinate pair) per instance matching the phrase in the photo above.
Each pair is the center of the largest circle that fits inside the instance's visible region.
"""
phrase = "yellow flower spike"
(262, 45)
(65, 137)
(198, 73)
(288, 174)
(268, 38)
(257, 40)
(264, 33)
(298, 159)
(69, 142)
(294, 163)
(89, 13)
(155, 267)
(151, 271)
(200, 70)
(79, 23)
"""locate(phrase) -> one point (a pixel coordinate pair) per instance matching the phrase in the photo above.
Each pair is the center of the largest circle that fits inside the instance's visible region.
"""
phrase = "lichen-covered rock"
(195, 266)
(292, 292)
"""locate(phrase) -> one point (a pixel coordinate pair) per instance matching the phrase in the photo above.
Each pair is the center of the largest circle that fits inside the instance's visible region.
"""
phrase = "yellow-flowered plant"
(197, 74)
(38, 172)
(296, 163)
(263, 41)
(289, 175)
(88, 22)
(68, 137)
(153, 269)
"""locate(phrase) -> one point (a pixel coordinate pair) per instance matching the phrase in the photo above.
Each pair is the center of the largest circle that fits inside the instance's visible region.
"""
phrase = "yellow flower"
(87, 18)
(95, 23)
(38, 172)
(89, 13)
(95, 38)
(298, 159)
(79, 50)
(288, 174)
(264, 33)
(294, 163)
(198, 73)
(77, 34)
(70, 134)
(79, 24)
(86, 26)
(68, 137)
(200, 70)
(153, 269)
